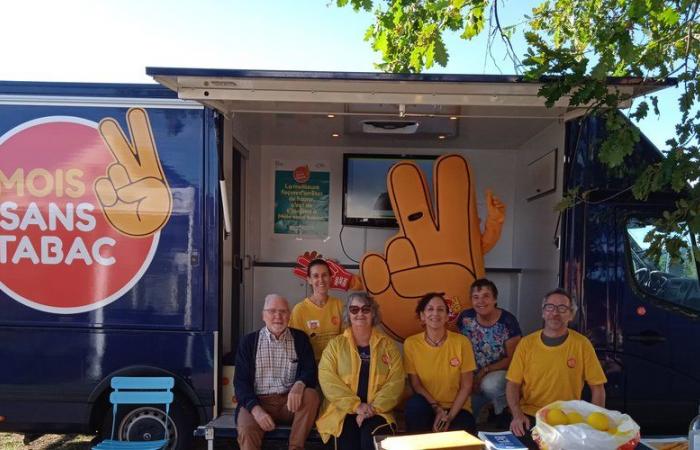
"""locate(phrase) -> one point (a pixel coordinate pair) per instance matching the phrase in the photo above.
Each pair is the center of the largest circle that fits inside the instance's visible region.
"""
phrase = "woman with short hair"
(494, 334)
(361, 375)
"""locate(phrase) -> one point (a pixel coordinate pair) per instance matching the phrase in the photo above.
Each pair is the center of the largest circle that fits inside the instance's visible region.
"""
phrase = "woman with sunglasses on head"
(440, 366)
(318, 315)
(362, 378)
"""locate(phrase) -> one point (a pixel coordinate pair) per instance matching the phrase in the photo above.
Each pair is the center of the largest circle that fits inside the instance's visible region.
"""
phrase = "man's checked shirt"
(275, 363)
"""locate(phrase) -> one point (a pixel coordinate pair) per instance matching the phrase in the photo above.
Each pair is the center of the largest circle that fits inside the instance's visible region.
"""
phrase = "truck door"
(658, 327)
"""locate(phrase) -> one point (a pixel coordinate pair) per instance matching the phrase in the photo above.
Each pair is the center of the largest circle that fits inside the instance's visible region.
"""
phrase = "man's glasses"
(354, 309)
(273, 311)
(561, 309)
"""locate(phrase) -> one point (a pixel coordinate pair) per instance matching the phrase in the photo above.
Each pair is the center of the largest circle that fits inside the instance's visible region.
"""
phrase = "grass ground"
(13, 441)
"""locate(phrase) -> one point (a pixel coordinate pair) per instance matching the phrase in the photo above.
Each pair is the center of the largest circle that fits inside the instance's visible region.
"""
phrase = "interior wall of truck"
(501, 150)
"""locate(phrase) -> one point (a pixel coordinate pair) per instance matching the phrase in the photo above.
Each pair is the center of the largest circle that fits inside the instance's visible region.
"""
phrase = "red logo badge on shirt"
(571, 362)
(454, 362)
(385, 359)
(335, 320)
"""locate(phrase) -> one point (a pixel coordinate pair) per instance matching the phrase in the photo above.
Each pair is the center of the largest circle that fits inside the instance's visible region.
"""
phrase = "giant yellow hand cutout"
(437, 249)
(134, 195)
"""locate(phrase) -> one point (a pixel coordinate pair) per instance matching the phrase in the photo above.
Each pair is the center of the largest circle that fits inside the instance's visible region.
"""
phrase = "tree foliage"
(575, 46)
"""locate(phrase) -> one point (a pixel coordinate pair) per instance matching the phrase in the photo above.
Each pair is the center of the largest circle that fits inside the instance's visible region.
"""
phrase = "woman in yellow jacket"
(362, 378)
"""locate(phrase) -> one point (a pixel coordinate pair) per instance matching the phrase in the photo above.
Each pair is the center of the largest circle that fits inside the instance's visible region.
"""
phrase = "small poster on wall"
(302, 195)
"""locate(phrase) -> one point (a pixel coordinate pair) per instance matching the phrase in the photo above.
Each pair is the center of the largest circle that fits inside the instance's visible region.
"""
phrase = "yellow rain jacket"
(339, 373)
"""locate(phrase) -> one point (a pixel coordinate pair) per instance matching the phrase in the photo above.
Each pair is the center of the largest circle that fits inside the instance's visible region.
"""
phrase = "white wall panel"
(534, 248)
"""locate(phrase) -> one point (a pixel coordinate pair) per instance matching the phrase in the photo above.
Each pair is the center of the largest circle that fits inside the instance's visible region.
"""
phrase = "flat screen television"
(365, 197)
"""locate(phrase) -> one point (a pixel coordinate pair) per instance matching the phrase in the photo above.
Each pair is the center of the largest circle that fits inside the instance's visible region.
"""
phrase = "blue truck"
(141, 227)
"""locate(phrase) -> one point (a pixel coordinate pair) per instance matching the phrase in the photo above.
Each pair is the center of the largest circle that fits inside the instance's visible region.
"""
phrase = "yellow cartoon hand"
(134, 195)
(436, 250)
(495, 207)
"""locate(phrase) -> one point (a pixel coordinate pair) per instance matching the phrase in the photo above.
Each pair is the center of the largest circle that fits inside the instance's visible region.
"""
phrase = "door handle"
(647, 337)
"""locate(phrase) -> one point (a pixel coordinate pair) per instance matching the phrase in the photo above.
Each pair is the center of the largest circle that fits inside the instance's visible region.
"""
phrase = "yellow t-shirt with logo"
(547, 374)
(320, 324)
(439, 368)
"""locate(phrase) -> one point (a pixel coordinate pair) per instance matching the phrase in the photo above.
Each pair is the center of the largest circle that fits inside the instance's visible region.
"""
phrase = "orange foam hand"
(438, 248)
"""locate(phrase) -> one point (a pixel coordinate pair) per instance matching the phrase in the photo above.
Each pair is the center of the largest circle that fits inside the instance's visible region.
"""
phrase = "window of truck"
(672, 280)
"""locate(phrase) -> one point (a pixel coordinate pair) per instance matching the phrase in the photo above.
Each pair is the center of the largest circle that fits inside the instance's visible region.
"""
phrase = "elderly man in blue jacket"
(275, 379)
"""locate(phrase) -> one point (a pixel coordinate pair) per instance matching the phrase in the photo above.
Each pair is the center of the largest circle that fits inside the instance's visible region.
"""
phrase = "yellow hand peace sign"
(437, 249)
(135, 195)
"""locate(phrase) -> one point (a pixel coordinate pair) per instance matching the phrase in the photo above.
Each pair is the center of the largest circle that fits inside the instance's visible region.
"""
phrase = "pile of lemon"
(597, 420)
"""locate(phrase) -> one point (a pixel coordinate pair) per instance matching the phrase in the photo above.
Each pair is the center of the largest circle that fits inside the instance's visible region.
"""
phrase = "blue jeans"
(491, 390)
(420, 417)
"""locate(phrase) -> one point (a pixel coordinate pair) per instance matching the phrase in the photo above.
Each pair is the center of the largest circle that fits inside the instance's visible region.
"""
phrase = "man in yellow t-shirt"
(552, 364)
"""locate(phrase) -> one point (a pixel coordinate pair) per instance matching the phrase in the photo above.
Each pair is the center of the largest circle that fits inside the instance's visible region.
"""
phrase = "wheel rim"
(147, 424)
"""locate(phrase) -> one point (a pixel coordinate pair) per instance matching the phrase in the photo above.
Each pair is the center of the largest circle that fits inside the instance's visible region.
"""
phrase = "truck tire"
(147, 423)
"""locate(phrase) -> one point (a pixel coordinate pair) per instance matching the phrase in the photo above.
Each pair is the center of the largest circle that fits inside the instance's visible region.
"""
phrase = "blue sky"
(114, 40)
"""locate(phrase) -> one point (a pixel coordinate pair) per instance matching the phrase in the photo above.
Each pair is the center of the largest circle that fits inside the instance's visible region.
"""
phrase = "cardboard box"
(453, 440)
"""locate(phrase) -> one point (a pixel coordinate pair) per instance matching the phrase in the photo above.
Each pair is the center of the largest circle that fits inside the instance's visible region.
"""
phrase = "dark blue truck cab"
(641, 314)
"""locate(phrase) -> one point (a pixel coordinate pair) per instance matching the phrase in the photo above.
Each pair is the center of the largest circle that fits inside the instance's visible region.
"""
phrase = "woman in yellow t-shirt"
(440, 366)
(319, 315)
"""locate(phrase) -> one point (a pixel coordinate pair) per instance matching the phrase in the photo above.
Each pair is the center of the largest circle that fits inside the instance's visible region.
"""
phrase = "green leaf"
(655, 104)
(416, 61)
(381, 44)
(669, 16)
(600, 71)
(440, 51)
(637, 9)
(641, 112)
(430, 55)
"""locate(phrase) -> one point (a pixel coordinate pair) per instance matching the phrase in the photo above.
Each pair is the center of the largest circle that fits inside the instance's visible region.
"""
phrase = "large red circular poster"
(81, 208)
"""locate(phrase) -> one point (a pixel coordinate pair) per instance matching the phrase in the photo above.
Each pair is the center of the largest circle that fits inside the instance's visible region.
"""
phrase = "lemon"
(599, 421)
(574, 417)
(556, 417)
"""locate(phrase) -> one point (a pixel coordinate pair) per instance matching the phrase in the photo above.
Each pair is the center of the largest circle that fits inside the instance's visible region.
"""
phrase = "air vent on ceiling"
(414, 126)
(389, 126)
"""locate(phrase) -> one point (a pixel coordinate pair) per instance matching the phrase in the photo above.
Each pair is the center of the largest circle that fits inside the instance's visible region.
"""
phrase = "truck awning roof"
(303, 92)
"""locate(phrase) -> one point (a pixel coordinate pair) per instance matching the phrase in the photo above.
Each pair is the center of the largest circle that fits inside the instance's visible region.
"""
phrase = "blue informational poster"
(302, 194)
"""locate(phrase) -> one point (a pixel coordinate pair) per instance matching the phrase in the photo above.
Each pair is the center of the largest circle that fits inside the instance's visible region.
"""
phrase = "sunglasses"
(354, 309)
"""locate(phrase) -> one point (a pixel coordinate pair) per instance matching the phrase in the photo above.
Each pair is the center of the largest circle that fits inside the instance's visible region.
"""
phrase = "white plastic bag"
(582, 436)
